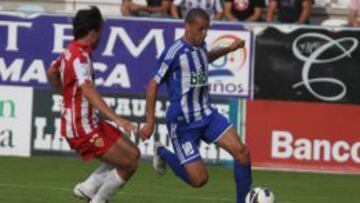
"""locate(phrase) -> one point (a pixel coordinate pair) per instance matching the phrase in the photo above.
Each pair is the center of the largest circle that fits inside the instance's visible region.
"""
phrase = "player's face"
(198, 30)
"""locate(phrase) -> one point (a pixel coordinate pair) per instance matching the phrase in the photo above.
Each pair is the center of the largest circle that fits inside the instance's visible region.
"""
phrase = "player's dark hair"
(86, 20)
(196, 13)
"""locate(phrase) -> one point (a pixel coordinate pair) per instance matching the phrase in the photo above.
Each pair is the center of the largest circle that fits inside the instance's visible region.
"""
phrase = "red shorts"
(96, 143)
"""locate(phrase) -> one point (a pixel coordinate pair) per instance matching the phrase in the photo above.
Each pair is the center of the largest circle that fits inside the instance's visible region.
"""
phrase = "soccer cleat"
(159, 164)
(81, 192)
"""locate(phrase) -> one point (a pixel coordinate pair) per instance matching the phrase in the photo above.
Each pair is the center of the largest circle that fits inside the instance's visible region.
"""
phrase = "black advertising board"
(308, 64)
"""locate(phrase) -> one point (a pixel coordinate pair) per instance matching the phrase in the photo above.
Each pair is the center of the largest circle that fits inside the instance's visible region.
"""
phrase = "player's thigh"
(231, 142)
(123, 153)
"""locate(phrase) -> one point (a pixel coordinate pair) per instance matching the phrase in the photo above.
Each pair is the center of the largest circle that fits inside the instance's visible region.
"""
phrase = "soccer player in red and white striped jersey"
(72, 74)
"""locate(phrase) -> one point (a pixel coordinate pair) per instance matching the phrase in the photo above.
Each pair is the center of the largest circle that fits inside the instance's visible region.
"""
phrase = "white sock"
(96, 178)
(111, 184)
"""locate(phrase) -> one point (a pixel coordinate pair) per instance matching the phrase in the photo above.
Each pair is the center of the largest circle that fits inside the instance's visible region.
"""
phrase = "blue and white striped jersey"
(184, 68)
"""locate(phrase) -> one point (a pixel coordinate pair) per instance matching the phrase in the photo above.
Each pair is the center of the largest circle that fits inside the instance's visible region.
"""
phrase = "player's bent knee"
(242, 155)
(199, 179)
(136, 161)
(199, 182)
(136, 154)
(133, 152)
(132, 167)
(134, 157)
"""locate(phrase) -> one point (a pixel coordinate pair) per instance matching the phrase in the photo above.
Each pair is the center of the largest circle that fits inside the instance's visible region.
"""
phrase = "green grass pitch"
(49, 179)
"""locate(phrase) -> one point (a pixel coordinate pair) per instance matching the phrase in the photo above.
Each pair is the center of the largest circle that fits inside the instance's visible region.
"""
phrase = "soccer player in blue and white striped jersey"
(190, 116)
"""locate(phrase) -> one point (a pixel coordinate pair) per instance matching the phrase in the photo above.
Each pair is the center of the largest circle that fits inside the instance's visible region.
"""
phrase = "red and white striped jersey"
(78, 116)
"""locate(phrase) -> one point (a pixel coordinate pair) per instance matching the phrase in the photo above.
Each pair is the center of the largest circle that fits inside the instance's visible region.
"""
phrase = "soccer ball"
(260, 195)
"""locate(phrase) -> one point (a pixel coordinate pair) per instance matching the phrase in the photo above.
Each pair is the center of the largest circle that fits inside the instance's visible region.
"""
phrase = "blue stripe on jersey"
(184, 80)
(190, 94)
(206, 100)
(201, 96)
(197, 90)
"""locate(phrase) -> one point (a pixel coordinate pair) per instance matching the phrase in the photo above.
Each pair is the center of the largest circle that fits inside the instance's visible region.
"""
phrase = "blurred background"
(293, 94)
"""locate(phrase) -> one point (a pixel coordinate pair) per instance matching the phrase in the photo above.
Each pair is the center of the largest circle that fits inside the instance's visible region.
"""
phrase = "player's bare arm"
(54, 77)
(151, 94)
(221, 51)
(97, 101)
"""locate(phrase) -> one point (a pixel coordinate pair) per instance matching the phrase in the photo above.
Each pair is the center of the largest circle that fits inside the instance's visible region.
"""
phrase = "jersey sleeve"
(163, 67)
(82, 69)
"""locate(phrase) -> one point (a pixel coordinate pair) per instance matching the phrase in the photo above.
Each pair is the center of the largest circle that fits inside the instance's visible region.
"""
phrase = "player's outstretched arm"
(95, 99)
(151, 95)
(221, 51)
(54, 76)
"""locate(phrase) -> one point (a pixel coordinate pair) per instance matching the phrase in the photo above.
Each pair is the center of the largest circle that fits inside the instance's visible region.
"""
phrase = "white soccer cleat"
(83, 193)
(159, 164)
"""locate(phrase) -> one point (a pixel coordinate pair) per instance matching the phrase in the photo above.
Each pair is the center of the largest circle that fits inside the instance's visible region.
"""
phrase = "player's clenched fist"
(236, 44)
